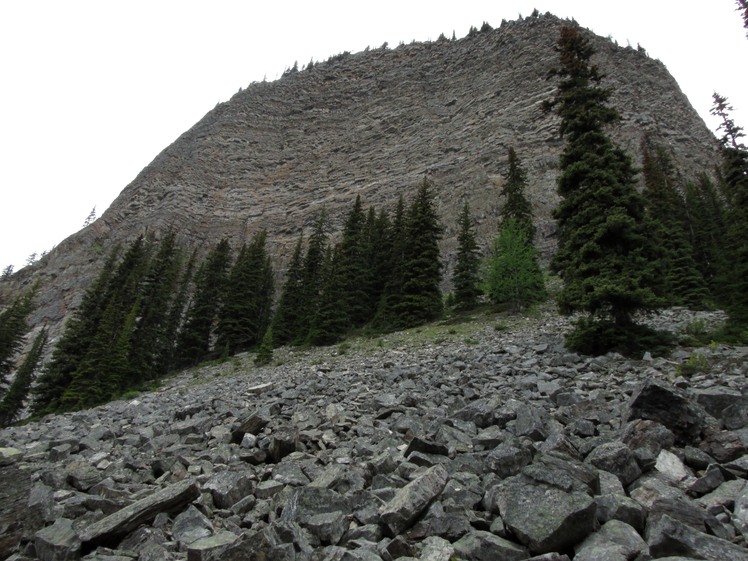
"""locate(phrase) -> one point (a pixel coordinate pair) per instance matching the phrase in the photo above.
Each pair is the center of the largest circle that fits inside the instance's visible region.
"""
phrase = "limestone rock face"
(372, 124)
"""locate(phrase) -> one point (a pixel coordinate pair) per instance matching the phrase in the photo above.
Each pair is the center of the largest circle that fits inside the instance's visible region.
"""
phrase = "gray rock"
(169, 499)
(666, 536)
(616, 458)
(410, 501)
(615, 541)
(484, 546)
(229, 487)
(622, 508)
(211, 548)
(669, 406)
(436, 549)
(58, 542)
(191, 525)
(544, 518)
(508, 459)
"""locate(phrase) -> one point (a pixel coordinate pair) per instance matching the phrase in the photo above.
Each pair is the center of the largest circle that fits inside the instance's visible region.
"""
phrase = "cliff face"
(373, 123)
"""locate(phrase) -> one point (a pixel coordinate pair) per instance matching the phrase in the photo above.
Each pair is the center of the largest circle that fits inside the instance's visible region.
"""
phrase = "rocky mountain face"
(471, 442)
(373, 124)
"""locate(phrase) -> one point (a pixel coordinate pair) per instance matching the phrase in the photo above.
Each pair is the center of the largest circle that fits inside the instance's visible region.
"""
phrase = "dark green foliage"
(287, 319)
(76, 340)
(331, 322)
(380, 244)
(743, 9)
(264, 354)
(245, 313)
(516, 204)
(605, 251)
(706, 222)
(393, 268)
(13, 328)
(735, 187)
(512, 274)
(680, 282)
(597, 337)
(421, 299)
(152, 340)
(12, 402)
(354, 265)
(465, 277)
(202, 314)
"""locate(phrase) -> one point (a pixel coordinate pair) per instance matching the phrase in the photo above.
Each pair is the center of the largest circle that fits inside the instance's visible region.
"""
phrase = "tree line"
(622, 251)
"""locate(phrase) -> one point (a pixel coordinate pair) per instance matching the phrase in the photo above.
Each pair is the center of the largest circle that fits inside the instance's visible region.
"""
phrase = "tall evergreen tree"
(604, 247)
(167, 361)
(151, 340)
(465, 277)
(13, 328)
(312, 269)
(681, 283)
(421, 299)
(354, 266)
(75, 342)
(196, 338)
(245, 314)
(287, 319)
(706, 225)
(394, 268)
(13, 400)
(379, 239)
(735, 178)
(512, 274)
(516, 204)
(331, 320)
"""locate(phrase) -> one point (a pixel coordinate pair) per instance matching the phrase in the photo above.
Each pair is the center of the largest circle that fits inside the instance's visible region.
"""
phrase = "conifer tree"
(265, 350)
(77, 339)
(516, 204)
(312, 269)
(354, 268)
(331, 320)
(151, 340)
(287, 319)
(605, 250)
(210, 281)
(465, 277)
(680, 282)
(379, 238)
(706, 223)
(13, 400)
(394, 267)
(735, 178)
(421, 299)
(245, 314)
(512, 274)
(13, 328)
(167, 361)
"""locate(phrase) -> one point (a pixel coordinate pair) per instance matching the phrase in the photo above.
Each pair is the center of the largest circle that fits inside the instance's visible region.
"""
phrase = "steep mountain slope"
(373, 123)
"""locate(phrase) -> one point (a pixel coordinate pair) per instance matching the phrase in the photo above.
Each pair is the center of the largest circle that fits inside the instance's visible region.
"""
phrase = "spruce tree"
(331, 321)
(195, 342)
(287, 319)
(245, 314)
(264, 354)
(421, 299)
(512, 275)
(735, 179)
(75, 342)
(13, 400)
(353, 262)
(605, 250)
(516, 204)
(379, 237)
(312, 279)
(13, 328)
(680, 282)
(394, 268)
(465, 277)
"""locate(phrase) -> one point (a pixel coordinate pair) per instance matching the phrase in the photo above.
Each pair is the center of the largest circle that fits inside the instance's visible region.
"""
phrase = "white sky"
(91, 91)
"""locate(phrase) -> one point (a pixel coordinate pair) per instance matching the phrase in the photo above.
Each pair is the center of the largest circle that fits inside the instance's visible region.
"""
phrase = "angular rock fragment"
(485, 546)
(544, 518)
(410, 501)
(615, 457)
(668, 537)
(169, 499)
(211, 548)
(58, 542)
(228, 487)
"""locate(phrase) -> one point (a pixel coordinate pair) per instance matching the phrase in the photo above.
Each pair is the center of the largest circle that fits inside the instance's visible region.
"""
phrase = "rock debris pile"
(495, 445)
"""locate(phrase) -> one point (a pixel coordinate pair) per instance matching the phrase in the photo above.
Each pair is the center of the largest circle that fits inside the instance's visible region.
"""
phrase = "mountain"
(373, 124)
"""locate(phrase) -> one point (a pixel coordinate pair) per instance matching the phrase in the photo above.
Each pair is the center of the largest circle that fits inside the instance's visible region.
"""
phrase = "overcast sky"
(92, 90)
